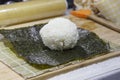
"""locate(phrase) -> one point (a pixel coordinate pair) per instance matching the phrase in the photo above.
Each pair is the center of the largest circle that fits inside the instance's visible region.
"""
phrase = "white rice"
(59, 34)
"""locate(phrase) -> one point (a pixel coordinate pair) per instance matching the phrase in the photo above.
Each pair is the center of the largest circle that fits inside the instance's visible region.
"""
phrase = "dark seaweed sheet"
(28, 44)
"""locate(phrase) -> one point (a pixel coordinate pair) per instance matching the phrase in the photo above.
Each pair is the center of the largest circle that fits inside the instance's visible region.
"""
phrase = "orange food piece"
(81, 13)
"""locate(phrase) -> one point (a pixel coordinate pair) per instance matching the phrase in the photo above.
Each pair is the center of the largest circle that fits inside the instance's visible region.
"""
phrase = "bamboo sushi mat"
(27, 71)
(20, 66)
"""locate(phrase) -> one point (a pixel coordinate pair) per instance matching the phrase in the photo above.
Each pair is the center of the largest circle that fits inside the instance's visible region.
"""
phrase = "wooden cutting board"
(6, 73)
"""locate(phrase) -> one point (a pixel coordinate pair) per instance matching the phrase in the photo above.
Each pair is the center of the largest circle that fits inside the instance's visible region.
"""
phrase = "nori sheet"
(27, 43)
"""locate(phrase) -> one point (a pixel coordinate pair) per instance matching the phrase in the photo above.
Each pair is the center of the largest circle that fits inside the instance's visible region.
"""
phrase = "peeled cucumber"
(30, 10)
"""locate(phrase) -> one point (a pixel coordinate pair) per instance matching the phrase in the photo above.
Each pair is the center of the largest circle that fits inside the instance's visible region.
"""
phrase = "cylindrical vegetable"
(31, 10)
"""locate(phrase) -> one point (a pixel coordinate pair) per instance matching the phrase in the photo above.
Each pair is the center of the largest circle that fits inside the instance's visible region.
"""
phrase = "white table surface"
(93, 72)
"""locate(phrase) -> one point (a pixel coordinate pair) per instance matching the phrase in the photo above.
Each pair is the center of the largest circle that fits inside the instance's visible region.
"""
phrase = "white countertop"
(92, 72)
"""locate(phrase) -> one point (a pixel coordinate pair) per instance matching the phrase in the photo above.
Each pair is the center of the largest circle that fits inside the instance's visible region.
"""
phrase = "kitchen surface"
(106, 70)
(59, 40)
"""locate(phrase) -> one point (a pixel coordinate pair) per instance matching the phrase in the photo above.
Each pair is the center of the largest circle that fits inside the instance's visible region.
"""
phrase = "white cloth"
(110, 9)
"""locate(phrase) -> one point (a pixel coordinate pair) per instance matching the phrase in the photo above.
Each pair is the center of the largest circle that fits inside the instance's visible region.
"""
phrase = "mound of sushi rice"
(59, 34)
